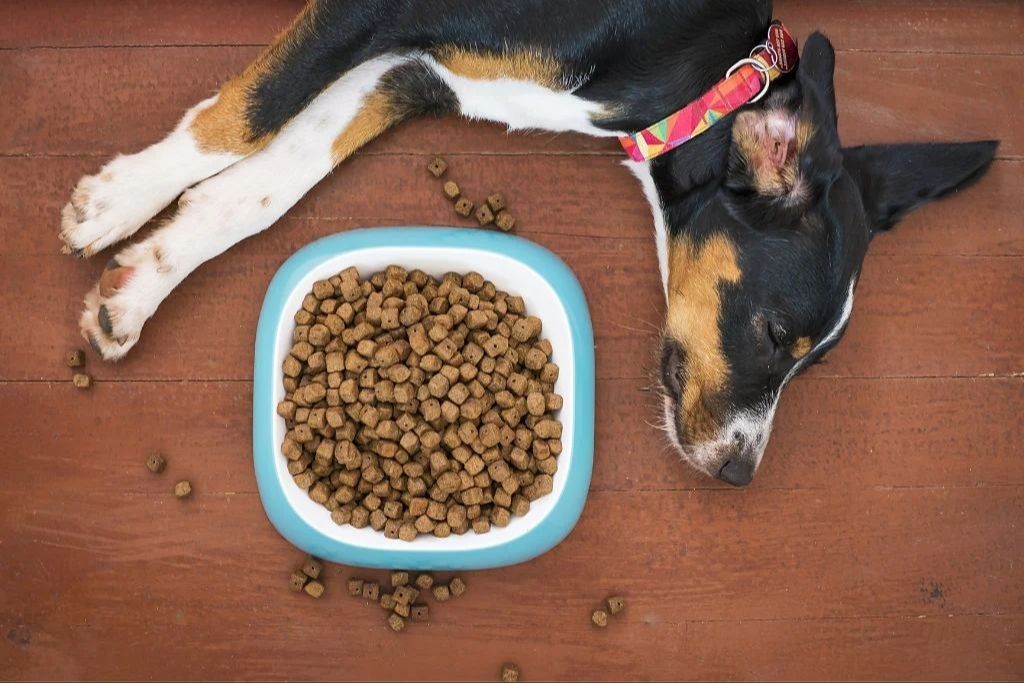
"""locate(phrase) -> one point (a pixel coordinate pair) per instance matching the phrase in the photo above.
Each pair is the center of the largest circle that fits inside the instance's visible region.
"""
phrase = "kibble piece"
(297, 582)
(616, 604)
(496, 201)
(82, 380)
(399, 579)
(464, 207)
(312, 567)
(401, 610)
(505, 221)
(75, 358)
(424, 581)
(600, 618)
(387, 601)
(441, 593)
(355, 587)
(396, 623)
(183, 489)
(156, 463)
(371, 591)
(509, 673)
(437, 168)
(456, 587)
(314, 589)
(420, 612)
(451, 190)
(484, 215)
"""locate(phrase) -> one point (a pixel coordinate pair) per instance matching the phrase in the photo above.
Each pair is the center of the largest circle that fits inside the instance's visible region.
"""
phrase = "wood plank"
(966, 431)
(127, 98)
(204, 330)
(585, 197)
(112, 583)
(980, 27)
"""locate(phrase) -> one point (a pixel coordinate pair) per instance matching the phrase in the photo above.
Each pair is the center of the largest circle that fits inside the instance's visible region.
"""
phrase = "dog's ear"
(896, 179)
(816, 73)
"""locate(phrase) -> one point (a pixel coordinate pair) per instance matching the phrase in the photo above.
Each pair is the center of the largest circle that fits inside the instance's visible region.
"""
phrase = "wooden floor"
(883, 537)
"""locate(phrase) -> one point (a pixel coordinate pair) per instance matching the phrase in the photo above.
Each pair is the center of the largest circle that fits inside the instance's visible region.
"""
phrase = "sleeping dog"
(762, 220)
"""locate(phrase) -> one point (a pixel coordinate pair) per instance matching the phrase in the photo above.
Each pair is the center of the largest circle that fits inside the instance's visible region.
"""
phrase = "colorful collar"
(746, 81)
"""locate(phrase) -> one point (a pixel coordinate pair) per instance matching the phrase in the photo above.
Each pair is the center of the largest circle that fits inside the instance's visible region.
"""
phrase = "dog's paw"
(109, 207)
(127, 294)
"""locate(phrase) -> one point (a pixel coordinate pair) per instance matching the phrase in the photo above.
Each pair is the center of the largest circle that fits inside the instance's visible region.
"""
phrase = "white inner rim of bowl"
(510, 275)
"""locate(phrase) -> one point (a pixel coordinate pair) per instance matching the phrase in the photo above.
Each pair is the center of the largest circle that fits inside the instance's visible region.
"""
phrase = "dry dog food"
(401, 604)
(312, 567)
(82, 380)
(497, 202)
(297, 581)
(451, 190)
(600, 618)
(183, 489)
(420, 406)
(464, 206)
(314, 589)
(509, 673)
(74, 358)
(505, 221)
(616, 604)
(484, 215)
(156, 463)
(438, 167)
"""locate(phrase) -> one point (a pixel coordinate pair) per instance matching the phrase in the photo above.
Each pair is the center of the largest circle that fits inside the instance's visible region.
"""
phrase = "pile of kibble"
(401, 602)
(493, 210)
(417, 406)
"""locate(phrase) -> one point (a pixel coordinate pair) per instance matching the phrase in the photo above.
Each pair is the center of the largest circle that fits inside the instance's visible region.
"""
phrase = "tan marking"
(518, 65)
(224, 125)
(375, 116)
(800, 348)
(694, 309)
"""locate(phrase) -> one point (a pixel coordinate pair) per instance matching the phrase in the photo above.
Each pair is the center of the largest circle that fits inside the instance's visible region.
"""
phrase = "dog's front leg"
(241, 201)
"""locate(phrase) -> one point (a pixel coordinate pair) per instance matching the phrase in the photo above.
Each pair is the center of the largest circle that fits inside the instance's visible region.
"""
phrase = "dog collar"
(745, 82)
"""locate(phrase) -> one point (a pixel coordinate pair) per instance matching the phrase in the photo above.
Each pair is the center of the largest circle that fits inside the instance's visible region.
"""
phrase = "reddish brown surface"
(882, 537)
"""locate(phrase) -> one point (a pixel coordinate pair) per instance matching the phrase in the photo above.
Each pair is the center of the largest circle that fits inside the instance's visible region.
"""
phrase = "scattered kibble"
(74, 358)
(616, 604)
(396, 623)
(355, 587)
(464, 207)
(484, 215)
(497, 202)
(424, 581)
(451, 190)
(399, 579)
(297, 581)
(183, 489)
(437, 167)
(600, 618)
(441, 593)
(312, 567)
(456, 587)
(314, 589)
(509, 673)
(505, 221)
(156, 463)
(82, 380)
(420, 612)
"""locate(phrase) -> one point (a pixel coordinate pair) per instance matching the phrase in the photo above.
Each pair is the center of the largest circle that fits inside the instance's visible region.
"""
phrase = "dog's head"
(763, 258)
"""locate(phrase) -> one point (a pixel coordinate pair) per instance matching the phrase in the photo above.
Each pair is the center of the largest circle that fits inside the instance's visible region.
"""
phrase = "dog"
(762, 221)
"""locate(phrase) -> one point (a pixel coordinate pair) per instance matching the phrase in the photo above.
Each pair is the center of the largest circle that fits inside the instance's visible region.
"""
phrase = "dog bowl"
(551, 292)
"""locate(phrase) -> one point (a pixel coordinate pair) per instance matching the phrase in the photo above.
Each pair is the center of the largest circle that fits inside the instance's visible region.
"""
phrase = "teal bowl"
(551, 292)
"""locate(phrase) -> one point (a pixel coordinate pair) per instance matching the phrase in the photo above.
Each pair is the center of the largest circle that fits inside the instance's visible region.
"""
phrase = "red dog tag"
(785, 47)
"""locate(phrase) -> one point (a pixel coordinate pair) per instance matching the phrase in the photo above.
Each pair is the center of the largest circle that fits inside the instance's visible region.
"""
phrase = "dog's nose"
(738, 472)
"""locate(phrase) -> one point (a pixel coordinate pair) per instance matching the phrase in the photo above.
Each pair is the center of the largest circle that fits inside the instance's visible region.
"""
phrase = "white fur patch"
(234, 204)
(642, 170)
(522, 105)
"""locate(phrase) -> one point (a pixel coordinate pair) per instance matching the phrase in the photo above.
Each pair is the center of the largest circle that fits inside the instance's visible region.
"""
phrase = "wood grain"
(880, 539)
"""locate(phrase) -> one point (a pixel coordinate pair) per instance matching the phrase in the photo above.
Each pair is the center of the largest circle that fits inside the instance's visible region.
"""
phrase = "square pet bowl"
(513, 264)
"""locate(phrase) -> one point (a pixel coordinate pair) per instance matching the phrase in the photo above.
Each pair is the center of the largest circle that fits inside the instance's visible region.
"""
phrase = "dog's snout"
(737, 471)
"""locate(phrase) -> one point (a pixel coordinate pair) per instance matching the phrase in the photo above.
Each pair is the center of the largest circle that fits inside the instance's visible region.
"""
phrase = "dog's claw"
(103, 316)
